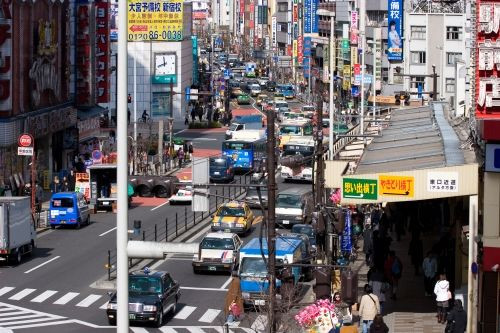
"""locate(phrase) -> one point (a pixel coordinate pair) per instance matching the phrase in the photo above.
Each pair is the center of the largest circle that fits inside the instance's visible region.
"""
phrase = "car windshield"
(255, 267)
(303, 230)
(218, 162)
(290, 129)
(231, 211)
(62, 203)
(233, 127)
(288, 201)
(144, 285)
(308, 108)
(217, 243)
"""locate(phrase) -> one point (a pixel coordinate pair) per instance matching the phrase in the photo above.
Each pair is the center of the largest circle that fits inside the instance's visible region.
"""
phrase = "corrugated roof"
(413, 140)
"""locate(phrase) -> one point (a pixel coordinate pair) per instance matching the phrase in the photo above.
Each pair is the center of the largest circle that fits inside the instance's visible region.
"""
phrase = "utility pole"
(319, 177)
(171, 126)
(434, 83)
(271, 220)
(362, 14)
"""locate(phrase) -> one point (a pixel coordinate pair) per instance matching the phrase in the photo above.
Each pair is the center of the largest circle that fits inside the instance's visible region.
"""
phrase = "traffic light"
(129, 99)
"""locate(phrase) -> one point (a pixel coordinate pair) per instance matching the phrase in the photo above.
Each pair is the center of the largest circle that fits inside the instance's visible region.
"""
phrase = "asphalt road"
(50, 291)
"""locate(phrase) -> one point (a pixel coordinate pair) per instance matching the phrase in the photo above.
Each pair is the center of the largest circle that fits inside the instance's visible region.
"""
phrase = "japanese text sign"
(102, 52)
(160, 20)
(357, 188)
(396, 185)
(442, 181)
(83, 56)
(395, 20)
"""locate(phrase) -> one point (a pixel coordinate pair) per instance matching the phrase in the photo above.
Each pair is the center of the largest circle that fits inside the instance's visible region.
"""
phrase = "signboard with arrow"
(397, 185)
(358, 188)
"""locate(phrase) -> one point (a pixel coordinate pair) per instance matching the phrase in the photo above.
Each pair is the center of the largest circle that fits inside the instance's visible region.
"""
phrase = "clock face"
(165, 64)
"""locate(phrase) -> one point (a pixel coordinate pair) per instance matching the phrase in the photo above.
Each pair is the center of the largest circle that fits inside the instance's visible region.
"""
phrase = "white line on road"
(107, 232)
(185, 312)
(209, 316)
(166, 329)
(25, 321)
(13, 313)
(183, 130)
(226, 283)
(5, 290)
(195, 330)
(66, 298)
(138, 329)
(163, 204)
(51, 323)
(88, 301)
(104, 306)
(206, 289)
(22, 294)
(43, 264)
(43, 296)
(20, 317)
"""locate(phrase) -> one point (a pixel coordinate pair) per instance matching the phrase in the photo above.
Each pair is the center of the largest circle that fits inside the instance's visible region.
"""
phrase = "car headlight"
(245, 295)
(195, 257)
(149, 308)
(298, 217)
(239, 225)
(112, 306)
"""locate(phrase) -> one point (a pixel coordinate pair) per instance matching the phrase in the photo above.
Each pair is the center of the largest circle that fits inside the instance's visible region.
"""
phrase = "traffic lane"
(74, 327)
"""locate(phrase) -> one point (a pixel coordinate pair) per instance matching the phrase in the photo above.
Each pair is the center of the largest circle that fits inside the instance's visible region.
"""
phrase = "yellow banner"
(160, 20)
(347, 70)
(396, 185)
(354, 55)
(294, 48)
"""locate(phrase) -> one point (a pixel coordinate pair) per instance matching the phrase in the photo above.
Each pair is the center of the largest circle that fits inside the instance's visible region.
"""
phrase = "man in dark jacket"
(457, 318)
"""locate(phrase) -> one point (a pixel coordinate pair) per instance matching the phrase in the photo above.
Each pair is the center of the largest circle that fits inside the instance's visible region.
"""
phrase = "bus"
(298, 127)
(247, 154)
(300, 145)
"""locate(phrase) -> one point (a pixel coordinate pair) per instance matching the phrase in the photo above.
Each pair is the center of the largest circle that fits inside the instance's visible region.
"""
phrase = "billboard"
(161, 20)
(395, 20)
(310, 16)
(102, 52)
(274, 27)
(85, 85)
(113, 22)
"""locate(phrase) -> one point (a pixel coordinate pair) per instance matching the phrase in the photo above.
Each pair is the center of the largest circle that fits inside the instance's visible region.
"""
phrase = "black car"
(271, 86)
(151, 295)
(221, 169)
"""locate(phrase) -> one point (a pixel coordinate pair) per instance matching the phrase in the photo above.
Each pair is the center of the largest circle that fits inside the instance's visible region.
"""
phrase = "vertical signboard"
(306, 67)
(102, 51)
(307, 46)
(5, 57)
(307, 16)
(161, 20)
(395, 20)
(354, 27)
(314, 18)
(300, 47)
(274, 27)
(113, 21)
(194, 49)
(294, 48)
(84, 50)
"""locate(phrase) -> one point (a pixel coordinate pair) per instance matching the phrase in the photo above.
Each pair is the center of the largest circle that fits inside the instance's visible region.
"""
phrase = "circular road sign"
(25, 140)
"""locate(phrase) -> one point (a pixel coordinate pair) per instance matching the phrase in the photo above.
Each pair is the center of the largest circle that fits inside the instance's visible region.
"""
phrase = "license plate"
(259, 302)
(227, 230)
(286, 222)
(211, 268)
(216, 173)
(131, 316)
(62, 221)
(105, 203)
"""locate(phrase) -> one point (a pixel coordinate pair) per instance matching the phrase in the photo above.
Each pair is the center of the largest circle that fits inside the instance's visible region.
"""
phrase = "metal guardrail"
(344, 141)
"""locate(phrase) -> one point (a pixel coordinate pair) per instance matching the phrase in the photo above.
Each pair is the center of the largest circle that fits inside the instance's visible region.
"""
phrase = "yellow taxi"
(279, 97)
(235, 217)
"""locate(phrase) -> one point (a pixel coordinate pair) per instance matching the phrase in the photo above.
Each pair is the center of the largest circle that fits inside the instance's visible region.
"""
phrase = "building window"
(454, 33)
(282, 7)
(417, 57)
(417, 32)
(452, 57)
(418, 80)
(283, 27)
(450, 85)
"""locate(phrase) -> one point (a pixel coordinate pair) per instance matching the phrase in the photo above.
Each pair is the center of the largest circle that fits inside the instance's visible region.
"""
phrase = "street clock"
(165, 68)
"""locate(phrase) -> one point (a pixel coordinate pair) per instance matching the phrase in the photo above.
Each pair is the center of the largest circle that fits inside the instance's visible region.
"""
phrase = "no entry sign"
(25, 145)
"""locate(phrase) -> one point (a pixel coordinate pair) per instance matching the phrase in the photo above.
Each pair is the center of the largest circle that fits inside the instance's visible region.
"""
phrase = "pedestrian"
(193, 114)
(443, 295)
(416, 252)
(457, 319)
(393, 269)
(380, 286)
(233, 296)
(368, 243)
(378, 325)
(234, 312)
(27, 190)
(128, 116)
(369, 307)
(54, 186)
(341, 309)
(145, 116)
(429, 266)
(38, 193)
(186, 119)
(190, 150)
(71, 180)
(216, 115)
(180, 156)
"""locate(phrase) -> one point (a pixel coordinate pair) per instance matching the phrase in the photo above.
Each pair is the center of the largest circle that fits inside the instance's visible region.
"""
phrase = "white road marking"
(204, 139)
(43, 296)
(5, 290)
(107, 232)
(205, 289)
(185, 312)
(195, 330)
(227, 283)
(104, 306)
(209, 316)
(52, 323)
(138, 329)
(5, 309)
(14, 313)
(20, 317)
(183, 130)
(167, 329)
(22, 294)
(66, 298)
(7, 323)
(260, 323)
(163, 204)
(88, 301)
(43, 264)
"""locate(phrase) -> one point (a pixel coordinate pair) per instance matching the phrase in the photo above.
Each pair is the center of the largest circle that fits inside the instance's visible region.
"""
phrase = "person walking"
(416, 252)
(341, 309)
(457, 319)
(233, 297)
(180, 156)
(379, 285)
(378, 325)
(368, 243)
(442, 292)
(369, 307)
(54, 186)
(429, 266)
(393, 269)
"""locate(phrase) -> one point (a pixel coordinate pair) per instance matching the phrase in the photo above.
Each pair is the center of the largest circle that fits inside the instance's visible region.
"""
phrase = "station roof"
(415, 138)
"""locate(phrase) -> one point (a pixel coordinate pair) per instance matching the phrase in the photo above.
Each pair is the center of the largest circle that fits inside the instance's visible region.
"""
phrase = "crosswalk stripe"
(195, 330)
(20, 317)
(22, 294)
(13, 313)
(89, 300)
(166, 329)
(185, 312)
(5, 309)
(209, 316)
(260, 323)
(5, 290)
(43, 296)
(51, 323)
(66, 298)
(139, 330)
(104, 306)
(25, 321)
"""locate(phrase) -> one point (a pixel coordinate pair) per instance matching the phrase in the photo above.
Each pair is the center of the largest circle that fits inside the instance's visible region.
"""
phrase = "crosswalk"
(13, 317)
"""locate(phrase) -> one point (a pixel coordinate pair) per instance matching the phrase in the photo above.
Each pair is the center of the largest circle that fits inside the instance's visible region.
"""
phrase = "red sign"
(300, 48)
(5, 56)
(25, 140)
(356, 69)
(295, 13)
(83, 56)
(289, 50)
(242, 6)
(102, 52)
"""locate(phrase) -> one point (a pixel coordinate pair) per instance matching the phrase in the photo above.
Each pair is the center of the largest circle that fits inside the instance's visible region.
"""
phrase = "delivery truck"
(17, 230)
(103, 190)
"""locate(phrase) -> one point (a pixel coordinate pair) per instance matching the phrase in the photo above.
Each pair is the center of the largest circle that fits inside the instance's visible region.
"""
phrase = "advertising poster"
(307, 46)
(346, 245)
(161, 20)
(113, 22)
(160, 104)
(82, 184)
(102, 52)
(314, 19)
(274, 27)
(395, 21)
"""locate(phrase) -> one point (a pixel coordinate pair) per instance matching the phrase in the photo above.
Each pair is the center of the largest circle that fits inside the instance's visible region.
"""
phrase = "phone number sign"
(155, 20)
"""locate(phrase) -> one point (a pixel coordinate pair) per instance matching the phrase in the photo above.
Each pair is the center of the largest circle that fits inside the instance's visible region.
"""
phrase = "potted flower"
(318, 317)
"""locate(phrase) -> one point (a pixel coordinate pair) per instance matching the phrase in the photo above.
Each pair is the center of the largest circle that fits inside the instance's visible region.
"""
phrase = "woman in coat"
(457, 318)
(442, 292)
(378, 325)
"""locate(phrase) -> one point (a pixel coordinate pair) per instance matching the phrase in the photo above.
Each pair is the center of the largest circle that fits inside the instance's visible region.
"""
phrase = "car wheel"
(159, 318)
(78, 224)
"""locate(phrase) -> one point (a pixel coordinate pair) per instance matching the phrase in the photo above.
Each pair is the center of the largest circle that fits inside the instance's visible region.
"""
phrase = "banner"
(102, 52)
(274, 27)
(300, 48)
(307, 16)
(82, 184)
(314, 19)
(306, 66)
(294, 48)
(307, 46)
(394, 41)
(346, 245)
(149, 21)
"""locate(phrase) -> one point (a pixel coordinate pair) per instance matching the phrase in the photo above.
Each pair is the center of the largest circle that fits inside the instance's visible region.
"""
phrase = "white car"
(183, 195)
(255, 90)
(218, 251)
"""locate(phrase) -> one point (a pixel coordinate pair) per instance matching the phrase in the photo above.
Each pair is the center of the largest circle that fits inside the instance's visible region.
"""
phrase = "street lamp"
(373, 43)
(331, 103)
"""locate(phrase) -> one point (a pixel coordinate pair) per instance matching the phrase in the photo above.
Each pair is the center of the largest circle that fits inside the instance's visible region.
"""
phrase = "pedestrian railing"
(178, 224)
(343, 141)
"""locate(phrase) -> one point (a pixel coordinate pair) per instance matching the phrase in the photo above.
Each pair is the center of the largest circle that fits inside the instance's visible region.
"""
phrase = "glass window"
(231, 211)
(308, 129)
(237, 145)
(454, 33)
(288, 201)
(218, 162)
(452, 57)
(417, 57)
(450, 85)
(144, 285)
(417, 32)
(290, 129)
(217, 243)
(62, 203)
(418, 80)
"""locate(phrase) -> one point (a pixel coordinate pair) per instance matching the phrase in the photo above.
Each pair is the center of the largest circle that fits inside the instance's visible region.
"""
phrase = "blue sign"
(354, 91)
(314, 16)
(346, 244)
(307, 16)
(241, 158)
(295, 30)
(492, 160)
(227, 74)
(188, 92)
(194, 40)
(395, 20)
(307, 46)
(306, 62)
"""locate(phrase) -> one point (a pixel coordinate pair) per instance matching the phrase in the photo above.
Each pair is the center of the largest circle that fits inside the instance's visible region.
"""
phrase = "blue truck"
(252, 270)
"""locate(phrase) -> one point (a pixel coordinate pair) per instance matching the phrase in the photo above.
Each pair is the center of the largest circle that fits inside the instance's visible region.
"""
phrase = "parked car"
(233, 217)
(263, 81)
(243, 99)
(221, 169)
(236, 92)
(307, 230)
(68, 208)
(218, 251)
(152, 294)
(183, 195)
(271, 86)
